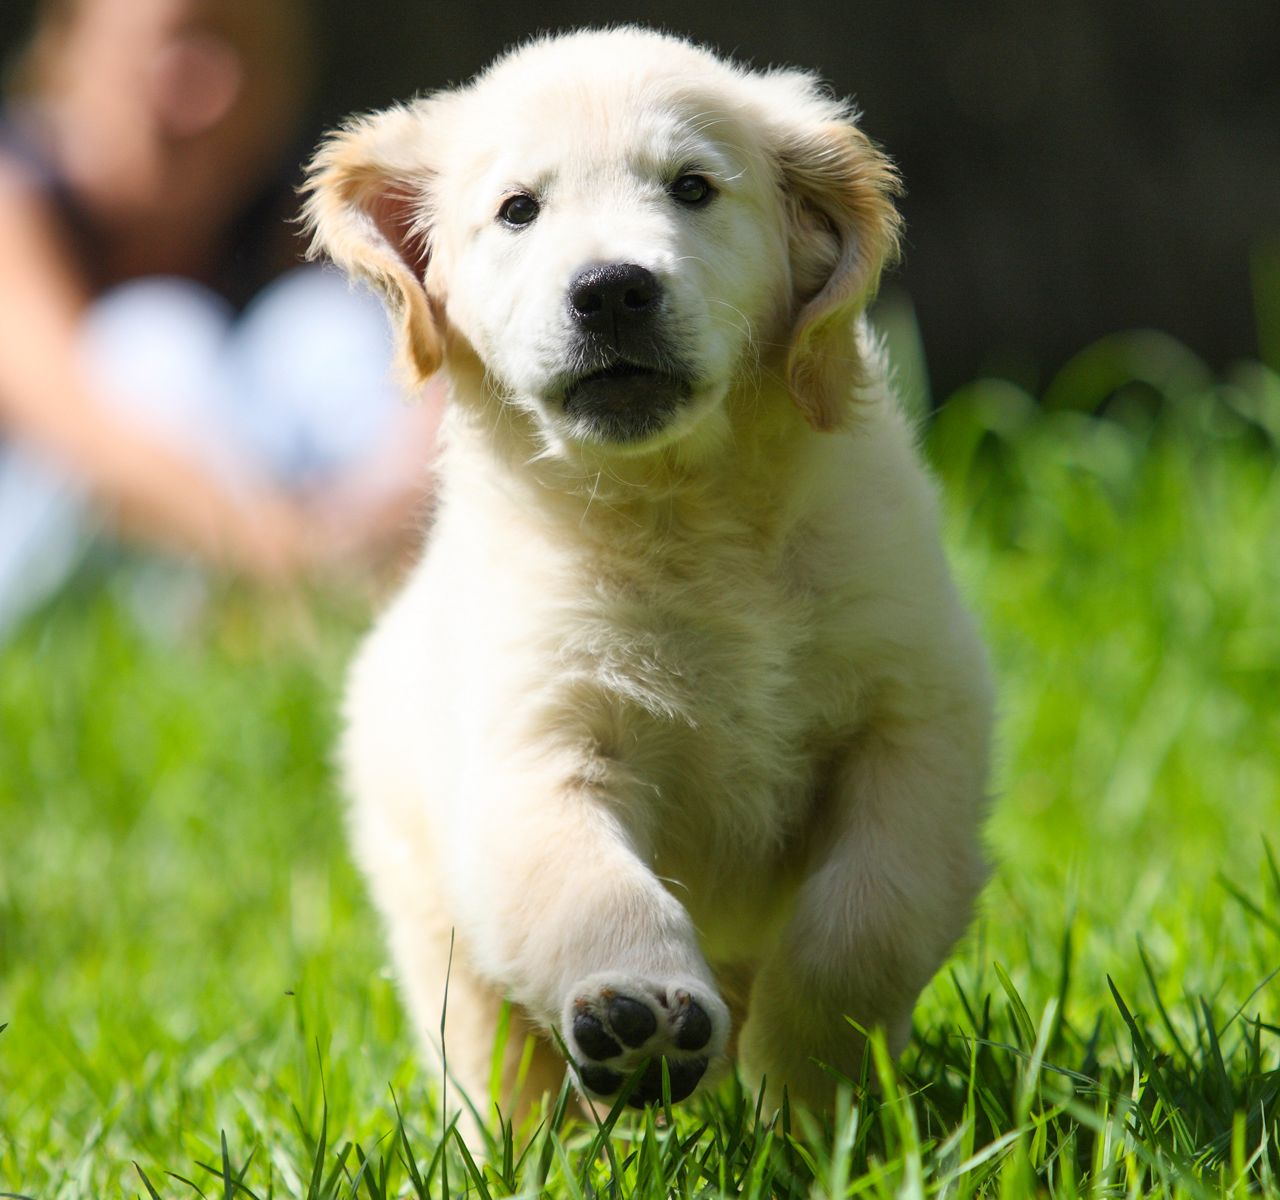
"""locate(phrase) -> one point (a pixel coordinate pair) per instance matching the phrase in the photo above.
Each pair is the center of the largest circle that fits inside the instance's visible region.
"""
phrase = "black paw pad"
(684, 1074)
(632, 1020)
(601, 1080)
(693, 1027)
(590, 1034)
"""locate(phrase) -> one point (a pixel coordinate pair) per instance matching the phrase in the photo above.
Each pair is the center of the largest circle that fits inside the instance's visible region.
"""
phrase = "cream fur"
(695, 720)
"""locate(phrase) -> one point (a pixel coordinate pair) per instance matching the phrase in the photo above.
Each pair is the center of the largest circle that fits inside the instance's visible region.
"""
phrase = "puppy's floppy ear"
(368, 207)
(844, 230)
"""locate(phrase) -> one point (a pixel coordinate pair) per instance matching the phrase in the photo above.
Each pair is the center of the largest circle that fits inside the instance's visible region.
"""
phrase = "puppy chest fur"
(681, 688)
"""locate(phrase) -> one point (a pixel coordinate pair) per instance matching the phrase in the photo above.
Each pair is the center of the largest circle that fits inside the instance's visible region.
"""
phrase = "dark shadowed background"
(1072, 169)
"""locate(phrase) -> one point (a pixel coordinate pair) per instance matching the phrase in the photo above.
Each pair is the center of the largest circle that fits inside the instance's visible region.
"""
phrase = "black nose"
(602, 298)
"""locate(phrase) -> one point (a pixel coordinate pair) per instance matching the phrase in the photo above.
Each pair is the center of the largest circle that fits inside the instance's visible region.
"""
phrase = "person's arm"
(47, 399)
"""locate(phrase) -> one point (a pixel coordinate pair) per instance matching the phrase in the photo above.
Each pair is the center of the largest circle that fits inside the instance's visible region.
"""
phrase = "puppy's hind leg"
(471, 1031)
(890, 889)
(457, 1014)
(393, 842)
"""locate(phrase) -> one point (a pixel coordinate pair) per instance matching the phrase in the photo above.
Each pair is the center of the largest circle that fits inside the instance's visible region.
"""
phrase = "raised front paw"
(613, 1024)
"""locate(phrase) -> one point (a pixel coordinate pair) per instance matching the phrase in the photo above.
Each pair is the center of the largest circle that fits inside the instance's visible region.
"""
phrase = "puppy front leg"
(561, 911)
(890, 888)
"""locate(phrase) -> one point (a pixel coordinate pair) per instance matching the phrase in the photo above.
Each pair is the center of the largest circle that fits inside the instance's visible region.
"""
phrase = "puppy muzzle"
(627, 384)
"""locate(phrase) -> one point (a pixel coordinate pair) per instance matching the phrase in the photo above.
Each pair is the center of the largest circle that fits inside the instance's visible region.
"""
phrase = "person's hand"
(269, 539)
(376, 514)
(365, 523)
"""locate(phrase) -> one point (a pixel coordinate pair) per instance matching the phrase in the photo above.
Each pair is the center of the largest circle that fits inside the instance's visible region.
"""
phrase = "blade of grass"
(477, 1175)
(151, 1191)
(1023, 1023)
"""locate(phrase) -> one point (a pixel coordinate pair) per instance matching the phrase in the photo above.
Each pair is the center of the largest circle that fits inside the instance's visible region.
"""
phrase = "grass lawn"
(196, 994)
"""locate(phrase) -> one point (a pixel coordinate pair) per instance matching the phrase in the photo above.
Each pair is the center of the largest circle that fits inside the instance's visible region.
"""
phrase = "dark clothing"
(260, 243)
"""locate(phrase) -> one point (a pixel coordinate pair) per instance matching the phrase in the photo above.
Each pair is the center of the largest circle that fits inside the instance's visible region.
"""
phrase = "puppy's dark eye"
(518, 210)
(692, 190)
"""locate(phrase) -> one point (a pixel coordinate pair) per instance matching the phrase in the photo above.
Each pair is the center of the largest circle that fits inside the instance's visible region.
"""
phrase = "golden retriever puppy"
(678, 734)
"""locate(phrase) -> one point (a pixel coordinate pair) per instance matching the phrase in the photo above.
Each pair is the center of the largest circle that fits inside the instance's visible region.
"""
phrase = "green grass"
(196, 996)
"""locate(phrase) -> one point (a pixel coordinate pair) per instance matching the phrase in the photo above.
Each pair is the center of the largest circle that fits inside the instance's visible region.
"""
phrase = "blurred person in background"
(164, 362)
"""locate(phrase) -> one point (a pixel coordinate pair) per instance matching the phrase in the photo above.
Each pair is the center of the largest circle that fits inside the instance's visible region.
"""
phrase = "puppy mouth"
(624, 401)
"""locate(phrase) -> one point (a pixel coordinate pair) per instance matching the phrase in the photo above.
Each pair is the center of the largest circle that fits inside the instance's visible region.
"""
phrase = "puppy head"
(618, 228)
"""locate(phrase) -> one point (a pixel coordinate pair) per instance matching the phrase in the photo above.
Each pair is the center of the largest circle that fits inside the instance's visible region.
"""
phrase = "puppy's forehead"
(632, 138)
(625, 99)
(601, 61)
